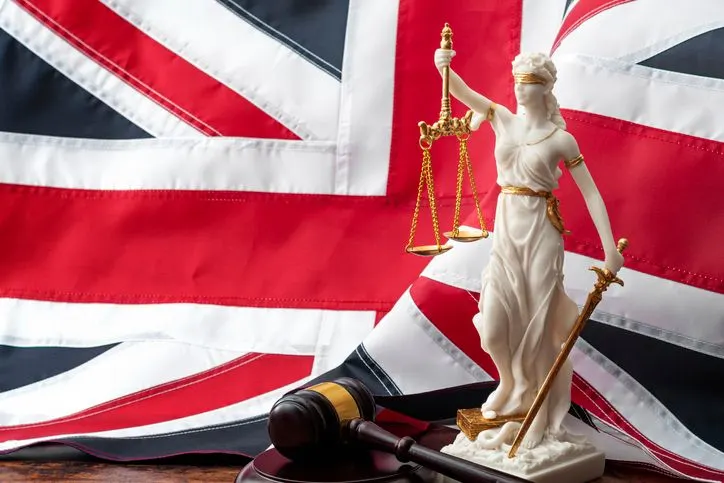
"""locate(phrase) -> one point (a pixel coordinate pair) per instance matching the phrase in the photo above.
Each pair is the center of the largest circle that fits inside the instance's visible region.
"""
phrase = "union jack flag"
(205, 204)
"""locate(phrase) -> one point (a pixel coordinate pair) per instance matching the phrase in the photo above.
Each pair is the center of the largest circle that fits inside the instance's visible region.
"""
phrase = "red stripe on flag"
(244, 249)
(582, 11)
(158, 73)
(235, 381)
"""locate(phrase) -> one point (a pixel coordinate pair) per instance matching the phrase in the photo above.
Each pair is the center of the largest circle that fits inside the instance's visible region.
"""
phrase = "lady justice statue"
(524, 315)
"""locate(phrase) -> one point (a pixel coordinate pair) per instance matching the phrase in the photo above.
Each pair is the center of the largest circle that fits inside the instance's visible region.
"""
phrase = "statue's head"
(535, 74)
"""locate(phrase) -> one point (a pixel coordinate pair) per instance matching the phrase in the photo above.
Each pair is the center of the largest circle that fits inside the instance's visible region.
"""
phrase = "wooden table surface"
(59, 464)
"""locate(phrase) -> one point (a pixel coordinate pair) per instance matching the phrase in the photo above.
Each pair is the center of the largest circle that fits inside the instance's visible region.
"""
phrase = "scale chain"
(474, 188)
(459, 187)
(431, 196)
(421, 184)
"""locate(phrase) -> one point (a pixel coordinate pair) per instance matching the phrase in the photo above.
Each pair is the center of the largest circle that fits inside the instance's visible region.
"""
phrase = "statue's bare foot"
(535, 434)
(495, 400)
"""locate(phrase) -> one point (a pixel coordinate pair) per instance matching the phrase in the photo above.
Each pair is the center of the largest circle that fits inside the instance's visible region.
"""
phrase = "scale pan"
(428, 250)
(467, 235)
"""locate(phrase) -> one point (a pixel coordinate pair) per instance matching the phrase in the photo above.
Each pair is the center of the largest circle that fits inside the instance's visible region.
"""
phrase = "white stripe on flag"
(648, 305)
(416, 355)
(329, 335)
(365, 127)
(604, 86)
(271, 75)
(233, 164)
(541, 21)
(641, 408)
(101, 83)
(122, 370)
(638, 30)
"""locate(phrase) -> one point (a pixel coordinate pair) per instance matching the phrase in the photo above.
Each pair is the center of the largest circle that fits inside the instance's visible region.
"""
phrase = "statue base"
(570, 460)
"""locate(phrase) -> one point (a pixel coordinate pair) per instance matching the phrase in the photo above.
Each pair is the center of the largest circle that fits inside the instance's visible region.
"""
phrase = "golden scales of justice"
(446, 125)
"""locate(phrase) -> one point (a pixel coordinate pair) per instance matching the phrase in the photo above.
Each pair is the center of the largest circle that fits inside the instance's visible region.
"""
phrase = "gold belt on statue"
(554, 215)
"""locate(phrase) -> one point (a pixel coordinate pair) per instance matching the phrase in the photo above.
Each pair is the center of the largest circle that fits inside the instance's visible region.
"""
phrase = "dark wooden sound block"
(358, 467)
(366, 466)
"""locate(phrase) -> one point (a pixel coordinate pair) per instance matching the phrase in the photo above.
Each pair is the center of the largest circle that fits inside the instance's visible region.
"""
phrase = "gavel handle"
(406, 449)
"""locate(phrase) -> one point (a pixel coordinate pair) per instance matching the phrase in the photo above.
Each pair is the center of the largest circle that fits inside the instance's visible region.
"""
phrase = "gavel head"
(312, 421)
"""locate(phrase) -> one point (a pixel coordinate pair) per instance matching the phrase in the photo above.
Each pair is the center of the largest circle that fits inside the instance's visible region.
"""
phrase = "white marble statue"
(525, 314)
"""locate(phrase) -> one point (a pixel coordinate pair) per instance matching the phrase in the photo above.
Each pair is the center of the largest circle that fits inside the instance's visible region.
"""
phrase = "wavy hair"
(542, 66)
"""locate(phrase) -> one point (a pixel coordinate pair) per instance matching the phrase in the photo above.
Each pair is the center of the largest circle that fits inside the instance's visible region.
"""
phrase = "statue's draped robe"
(522, 288)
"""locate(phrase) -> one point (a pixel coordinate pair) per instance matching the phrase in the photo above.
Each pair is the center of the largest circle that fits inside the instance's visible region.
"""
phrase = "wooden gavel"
(320, 420)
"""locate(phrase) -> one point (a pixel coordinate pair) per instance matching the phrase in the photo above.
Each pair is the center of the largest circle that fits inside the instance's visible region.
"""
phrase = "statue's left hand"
(614, 261)
(476, 121)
